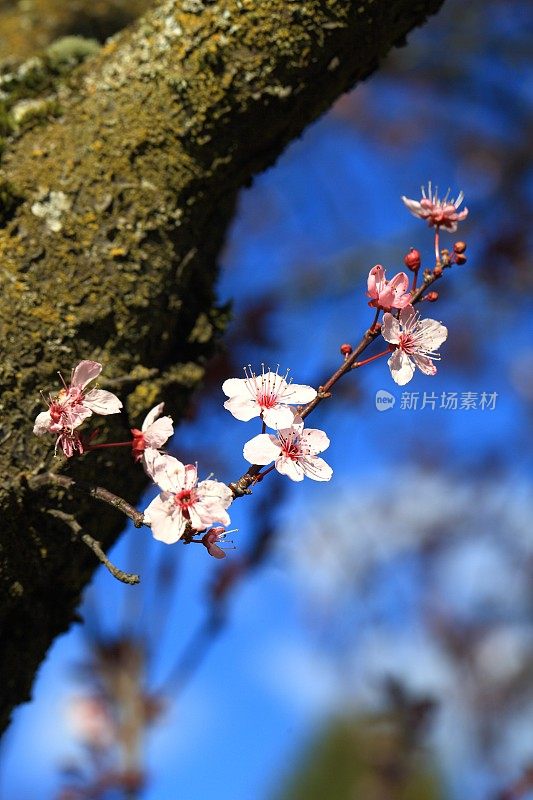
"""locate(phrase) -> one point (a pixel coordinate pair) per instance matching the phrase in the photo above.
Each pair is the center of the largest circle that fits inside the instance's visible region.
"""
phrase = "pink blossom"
(212, 541)
(387, 294)
(73, 405)
(184, 501)
(155, 431)
(268, 396)
(90, 719)
(294, 451)
(439, 213)
(416, 341)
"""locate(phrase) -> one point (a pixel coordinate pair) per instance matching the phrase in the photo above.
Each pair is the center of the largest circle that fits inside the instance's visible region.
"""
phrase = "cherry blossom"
(387, 294)
(294, 452)
(268, 396)
(91, 721)
(213, 539)
(155, 431)
(416, 341)
(439, 213)
(73, 405)
(184, 501)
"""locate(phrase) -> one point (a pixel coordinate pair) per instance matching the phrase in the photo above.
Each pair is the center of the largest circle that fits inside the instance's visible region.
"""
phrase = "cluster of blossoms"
(187, 506)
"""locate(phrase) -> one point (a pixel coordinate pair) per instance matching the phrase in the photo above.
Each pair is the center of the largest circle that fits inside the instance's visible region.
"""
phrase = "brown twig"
(243, 485)
(98, 492)
(95, 546)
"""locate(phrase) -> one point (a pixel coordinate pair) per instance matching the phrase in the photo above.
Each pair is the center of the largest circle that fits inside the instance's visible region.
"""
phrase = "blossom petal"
(149, 456)
(315, 439)
(42, 423)
(401, 367)
(424, 364)
(102, 402)
(159, 432)
(166, 526)
(317, 469)
(236, 387)
(262, 449)
(169, 473)
(375, 280)
(216, 492)
(290, 467)
(297, 394)
(280, 417)
(390, 329)
(434, 333)
(242, 409)
(84, 373)
(152, 416)
(407, 316)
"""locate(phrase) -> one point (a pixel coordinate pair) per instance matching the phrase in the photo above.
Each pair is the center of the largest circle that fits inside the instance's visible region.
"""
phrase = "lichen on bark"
(109, 251)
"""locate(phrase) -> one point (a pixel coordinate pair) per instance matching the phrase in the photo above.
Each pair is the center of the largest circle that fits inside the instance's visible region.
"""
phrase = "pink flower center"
(407, 343)
(291, 448)
(56, 411)
(267, 399)
(186, 498)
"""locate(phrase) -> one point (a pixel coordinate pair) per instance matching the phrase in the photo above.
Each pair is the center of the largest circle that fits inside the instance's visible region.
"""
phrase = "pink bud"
(412, 260)
(432, 296)
(346, 350)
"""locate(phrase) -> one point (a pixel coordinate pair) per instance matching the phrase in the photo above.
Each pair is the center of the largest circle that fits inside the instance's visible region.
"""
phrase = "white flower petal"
(167, 525)
(42, 423)
(434, 333)
(317, 469)
(215, 492)
(407, 316)
(298, 394)
(152, 416)
(169, 473)
(401, 367)
(236, 387)
(390, 329)
(290, 467)
(280, 417)
(159, 432)
(243, 409)
(315, 439)
(85, 372)
(262, 449)
(424, 364)
(102, 402)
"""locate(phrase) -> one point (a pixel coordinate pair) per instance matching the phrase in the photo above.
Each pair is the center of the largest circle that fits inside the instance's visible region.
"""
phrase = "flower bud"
(459, 247)
(460, 258)
(438, 270)
(432, 296)
(346, 350)
(412, 260)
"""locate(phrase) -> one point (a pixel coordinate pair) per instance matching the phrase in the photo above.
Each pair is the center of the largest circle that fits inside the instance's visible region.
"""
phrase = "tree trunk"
(115, 203)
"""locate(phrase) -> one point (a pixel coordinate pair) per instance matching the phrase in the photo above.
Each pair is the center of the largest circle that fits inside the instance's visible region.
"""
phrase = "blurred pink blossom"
(439, 213)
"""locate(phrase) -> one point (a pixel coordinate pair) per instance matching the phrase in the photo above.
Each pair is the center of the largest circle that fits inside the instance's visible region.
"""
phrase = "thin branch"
(242, 486)
(92, 544)
(98, 492)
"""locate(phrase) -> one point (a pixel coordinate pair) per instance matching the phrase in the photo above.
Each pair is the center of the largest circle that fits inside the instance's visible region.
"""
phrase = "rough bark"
(33, 24)
(148, 144)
